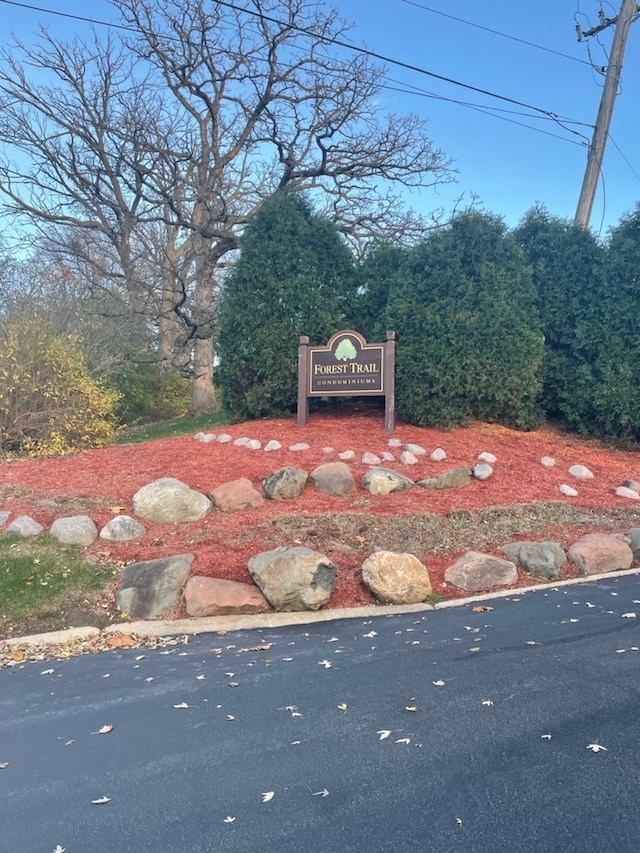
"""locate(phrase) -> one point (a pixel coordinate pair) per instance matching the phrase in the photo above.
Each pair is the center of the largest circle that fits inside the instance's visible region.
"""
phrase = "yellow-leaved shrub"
(49, 403)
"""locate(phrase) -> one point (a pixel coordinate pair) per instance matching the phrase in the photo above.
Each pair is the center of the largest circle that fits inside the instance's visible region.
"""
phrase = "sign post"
(347, 367)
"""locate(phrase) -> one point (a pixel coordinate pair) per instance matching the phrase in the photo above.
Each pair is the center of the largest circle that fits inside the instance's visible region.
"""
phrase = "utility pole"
(622, 23)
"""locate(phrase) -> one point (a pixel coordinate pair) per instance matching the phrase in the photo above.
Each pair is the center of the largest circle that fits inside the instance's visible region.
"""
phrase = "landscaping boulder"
(153, 587)
(285, 484)
(24, 525)
(169, 500)
(74, 530)
(235, 495)
(595, 553)
(450, 479)
(218, 597)
(333, 478)
(543, 559)
(122, 528)
(383, 481)
(396, 578)
(294, 578)
(475, 571)
(634, 536)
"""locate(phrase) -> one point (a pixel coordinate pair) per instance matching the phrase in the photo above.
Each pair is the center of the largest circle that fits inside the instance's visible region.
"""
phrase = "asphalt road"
(506, 729)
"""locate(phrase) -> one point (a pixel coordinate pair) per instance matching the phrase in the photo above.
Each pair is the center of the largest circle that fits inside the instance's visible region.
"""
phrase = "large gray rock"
(24, 525)
(74, 530)
(169, 500)
(218, 597)
(634, 536)
(595, 553)
(543, 559)
(285, 484)
(153, 587)
(294, 578)
(450, 479)
(396, 578)
(383, 481)
(235, 495)
(122, 528)
(475, 571)
(333, 478)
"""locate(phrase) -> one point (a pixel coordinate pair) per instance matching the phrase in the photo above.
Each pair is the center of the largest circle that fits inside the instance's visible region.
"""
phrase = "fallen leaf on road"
(404, 740)
(104, 730)
(487, 702)
(384, 733)
(229, 819)
(181, 705)
(325, 663)
(268, 795)
(121, 641)
(628, 615)
(411, 708)
(59, 849)
(481, 608)
(342, 706)
(596, 747)
(370, 635)
(101, 801)
(438, 683)
(322, 793)
(47, 672)
(545, 737)
(4, 765)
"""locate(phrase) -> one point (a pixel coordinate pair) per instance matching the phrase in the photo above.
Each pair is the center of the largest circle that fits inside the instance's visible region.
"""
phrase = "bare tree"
(211, 108)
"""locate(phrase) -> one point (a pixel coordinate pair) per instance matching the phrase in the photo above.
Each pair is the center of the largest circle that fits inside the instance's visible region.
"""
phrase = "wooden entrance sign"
(347, 367)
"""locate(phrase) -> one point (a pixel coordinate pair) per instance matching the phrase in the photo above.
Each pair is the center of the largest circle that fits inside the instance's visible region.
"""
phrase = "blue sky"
(510, 166)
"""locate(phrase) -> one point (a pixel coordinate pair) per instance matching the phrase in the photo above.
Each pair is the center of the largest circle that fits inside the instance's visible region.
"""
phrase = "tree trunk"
(203, 398)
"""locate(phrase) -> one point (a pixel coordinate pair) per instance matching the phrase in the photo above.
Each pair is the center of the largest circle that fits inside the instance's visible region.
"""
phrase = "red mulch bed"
(105, 480)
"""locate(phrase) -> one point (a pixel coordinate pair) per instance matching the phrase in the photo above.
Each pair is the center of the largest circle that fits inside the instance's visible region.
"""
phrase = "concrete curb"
(225, 624)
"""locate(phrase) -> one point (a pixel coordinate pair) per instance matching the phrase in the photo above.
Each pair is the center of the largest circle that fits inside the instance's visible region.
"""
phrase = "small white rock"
(487, 457)
(388, 457)
(408, 458)
(482, 471)
(416, 449)
(223, 438)
(254, 444)
(209, 436)
(272, 445)
(347, 455)
(199, 436)
(395, 442)
(242, 442)
(370, 459)
(328, 450)
(548, 461)
(625, 492)
(567, 490)
(296, 448)
(438, 455)
(580, 472)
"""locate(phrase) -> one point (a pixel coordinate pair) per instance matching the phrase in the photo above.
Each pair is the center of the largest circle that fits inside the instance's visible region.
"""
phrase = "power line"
(491, 112)
(496, 32)
(620, 152)
(337, 42)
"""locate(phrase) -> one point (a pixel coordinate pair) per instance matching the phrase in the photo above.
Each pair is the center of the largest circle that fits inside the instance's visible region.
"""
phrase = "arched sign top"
(346, 367)
(347, 333)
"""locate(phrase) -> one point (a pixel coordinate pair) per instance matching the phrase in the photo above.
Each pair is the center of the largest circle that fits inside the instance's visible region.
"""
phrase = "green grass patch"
(37, 578)
(172, 427)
